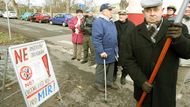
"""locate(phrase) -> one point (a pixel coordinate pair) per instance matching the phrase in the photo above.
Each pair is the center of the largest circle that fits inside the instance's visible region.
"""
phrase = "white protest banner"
(34, 71)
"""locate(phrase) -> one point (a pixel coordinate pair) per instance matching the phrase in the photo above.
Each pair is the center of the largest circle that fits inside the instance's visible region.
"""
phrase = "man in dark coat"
(124, 28)
(143, 49)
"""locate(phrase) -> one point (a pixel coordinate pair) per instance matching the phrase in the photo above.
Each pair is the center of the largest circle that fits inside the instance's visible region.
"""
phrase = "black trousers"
(124, 71)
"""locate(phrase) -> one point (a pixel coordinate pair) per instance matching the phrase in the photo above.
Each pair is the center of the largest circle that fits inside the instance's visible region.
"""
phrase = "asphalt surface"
(35, 30)
(54, 34)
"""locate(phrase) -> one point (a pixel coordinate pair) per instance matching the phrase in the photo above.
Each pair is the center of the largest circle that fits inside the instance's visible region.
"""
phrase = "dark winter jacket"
(123, 30)
(141, 58)
(86, 27)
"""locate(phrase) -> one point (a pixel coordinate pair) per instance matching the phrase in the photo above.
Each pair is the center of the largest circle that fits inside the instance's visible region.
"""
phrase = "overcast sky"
(40, 2)
(177, 3)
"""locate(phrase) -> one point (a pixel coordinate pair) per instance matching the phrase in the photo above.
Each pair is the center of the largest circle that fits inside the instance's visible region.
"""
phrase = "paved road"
(52, 33)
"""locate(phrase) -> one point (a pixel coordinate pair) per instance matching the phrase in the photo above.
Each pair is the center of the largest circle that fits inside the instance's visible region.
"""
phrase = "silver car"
(11, 14)
(1, 13)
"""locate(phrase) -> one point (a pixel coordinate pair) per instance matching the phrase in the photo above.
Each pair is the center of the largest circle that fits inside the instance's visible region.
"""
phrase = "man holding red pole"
(187, 11)
(143, 49)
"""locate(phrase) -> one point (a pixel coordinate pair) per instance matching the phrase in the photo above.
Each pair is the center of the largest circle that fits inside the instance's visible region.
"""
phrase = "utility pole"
(50, 8)
(68, 6)
(123, 4)
(8, 21)
(28, 5)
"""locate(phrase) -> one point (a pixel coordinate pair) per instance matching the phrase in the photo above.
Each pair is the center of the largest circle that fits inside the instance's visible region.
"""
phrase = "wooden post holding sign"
(34, 72)
(8, 22)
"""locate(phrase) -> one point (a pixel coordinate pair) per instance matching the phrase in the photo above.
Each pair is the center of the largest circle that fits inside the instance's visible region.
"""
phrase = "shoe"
(113, 86)
(99, 87)
(123, 80)
(73, 58)
(83, 62)
(114, 78)
(93, 66)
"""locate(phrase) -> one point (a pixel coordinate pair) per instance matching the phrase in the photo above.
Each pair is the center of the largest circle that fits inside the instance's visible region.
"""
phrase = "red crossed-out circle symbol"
(26, 73)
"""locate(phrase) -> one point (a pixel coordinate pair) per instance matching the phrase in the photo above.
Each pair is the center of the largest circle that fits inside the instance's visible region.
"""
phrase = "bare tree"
(73, 2)
(52, 4)
(68, 6)
(2, 4)
(123, 4)
(15, 7)
(50, 9)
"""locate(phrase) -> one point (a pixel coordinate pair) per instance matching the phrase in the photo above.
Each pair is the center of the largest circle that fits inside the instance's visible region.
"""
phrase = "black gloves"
(174, 31)
(147, 87)
(89, 25)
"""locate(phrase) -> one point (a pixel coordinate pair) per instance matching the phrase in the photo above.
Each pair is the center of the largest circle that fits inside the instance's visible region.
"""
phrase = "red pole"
(156, 68)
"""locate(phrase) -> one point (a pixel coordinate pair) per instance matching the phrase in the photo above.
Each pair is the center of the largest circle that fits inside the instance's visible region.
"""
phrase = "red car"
(42, 17)
(33, 17)
(39, 17)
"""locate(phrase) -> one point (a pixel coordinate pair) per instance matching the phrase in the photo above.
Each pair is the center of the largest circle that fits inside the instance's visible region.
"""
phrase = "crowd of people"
(134, 48)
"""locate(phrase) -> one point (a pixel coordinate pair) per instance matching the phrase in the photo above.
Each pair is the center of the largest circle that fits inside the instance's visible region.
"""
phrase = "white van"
(11, 14)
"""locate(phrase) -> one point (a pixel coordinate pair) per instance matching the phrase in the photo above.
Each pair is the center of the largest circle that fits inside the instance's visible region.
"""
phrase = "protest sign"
(34, 72)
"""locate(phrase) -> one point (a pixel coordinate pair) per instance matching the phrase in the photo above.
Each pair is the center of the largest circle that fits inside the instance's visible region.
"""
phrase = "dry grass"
(16, 39)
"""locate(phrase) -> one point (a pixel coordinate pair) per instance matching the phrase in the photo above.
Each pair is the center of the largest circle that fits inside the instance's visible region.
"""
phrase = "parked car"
(39, 17)
(26, 16)
(11, 14)
(1, 13)
(61, 19)
(43, 17)
(33, 17)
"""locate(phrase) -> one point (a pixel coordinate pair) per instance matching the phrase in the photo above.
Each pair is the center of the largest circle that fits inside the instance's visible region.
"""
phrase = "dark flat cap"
(122, 12)
(106, 6)
(150, 3)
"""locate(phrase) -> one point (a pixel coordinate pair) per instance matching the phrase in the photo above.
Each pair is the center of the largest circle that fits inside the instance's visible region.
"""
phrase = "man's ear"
(142, 11)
